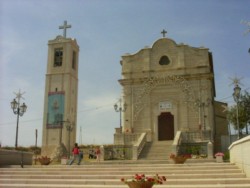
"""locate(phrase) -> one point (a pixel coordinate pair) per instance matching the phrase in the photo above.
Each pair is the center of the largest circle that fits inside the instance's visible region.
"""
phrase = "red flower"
(142, 178)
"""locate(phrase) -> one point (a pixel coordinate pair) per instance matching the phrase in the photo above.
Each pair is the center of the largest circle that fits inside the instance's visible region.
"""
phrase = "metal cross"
(19, 95)
(163, 32)
(236, 81)
(64, 27)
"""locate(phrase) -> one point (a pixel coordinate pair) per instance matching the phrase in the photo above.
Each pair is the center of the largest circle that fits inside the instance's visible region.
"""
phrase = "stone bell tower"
(61, 90)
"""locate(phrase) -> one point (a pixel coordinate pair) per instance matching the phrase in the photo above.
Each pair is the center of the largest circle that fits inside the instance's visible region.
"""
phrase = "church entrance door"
(165, 126)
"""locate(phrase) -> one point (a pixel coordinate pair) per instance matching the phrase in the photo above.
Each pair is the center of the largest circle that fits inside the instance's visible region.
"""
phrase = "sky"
(105, 30)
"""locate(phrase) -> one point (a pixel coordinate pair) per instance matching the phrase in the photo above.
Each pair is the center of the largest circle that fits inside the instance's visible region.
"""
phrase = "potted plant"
(179, 159)
(142, 181)
(44, 160)
(219, 157)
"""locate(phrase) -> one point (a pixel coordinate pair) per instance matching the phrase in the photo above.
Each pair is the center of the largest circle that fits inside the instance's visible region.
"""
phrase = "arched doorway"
(165, 126)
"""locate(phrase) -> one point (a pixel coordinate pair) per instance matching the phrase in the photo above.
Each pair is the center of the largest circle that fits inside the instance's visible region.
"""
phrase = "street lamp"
(120, 108)
(19, 110)
(202, 106)
(69, 128)
(236, 96)
(205, 104)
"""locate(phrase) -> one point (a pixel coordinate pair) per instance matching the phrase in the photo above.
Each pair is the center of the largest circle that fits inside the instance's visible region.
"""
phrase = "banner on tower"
(55, 111)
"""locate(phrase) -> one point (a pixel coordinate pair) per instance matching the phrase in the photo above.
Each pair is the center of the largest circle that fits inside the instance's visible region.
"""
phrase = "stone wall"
(239, 154)
(10, 157)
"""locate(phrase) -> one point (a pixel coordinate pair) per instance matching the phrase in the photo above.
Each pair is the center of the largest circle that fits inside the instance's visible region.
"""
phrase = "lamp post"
(69, 128)
(205, 104)
(120, 108)
(202, 106)
(61, 127)
(236, 96)
(19, 110)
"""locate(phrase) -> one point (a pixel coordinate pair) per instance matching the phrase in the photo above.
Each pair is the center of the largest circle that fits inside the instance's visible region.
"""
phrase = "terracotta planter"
(219, 159)
(140, 184)
(179, 160)
(44, 160)
(64, 161)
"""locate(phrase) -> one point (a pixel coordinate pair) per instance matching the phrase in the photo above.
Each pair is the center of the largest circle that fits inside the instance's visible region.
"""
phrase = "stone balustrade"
(239, 154)
(13, 157)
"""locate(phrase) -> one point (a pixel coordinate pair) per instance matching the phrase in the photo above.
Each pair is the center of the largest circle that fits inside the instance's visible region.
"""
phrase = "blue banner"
(55, 109)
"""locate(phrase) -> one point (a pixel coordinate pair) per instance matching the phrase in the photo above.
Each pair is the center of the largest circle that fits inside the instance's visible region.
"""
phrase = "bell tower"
(61, 90)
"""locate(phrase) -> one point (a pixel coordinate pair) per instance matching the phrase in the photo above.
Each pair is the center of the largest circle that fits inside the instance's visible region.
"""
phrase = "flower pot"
(64, 161)
(179, 160)
(219, 159)
(44, 160)
(145, 184)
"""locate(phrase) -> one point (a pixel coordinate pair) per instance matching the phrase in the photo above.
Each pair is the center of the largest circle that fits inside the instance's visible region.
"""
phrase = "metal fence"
(193, 148)
(118, 152)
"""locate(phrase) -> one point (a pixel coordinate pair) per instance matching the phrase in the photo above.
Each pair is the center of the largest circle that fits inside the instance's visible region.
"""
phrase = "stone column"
(210, 150)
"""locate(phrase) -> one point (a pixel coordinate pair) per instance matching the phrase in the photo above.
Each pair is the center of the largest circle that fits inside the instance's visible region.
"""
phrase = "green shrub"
(226, 156)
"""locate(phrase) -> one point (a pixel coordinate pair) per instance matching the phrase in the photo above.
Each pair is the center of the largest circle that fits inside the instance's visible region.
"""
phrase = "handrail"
(138, 146)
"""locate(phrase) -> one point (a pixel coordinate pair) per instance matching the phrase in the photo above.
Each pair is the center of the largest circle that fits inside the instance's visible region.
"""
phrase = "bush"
(33, 149)
(226, 156)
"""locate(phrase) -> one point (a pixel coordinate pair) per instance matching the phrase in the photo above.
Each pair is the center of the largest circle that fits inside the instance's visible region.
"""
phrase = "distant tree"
(246, 104)
(243, 112)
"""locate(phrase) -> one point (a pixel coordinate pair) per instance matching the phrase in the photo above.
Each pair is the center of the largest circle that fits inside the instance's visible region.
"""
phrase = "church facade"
(168, 88)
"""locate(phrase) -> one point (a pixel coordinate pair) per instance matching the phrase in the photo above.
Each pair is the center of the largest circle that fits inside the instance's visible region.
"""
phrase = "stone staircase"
(107, 174)
(158, 150)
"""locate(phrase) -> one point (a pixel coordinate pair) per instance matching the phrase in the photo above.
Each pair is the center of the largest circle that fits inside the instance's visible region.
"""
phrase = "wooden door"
(165, 126)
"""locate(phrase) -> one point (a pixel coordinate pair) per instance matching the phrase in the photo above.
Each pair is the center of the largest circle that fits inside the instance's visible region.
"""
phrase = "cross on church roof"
(64, 27)
(163, 32)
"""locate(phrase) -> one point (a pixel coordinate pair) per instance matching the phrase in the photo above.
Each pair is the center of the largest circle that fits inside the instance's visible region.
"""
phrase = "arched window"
(164, 60)
(58, 57)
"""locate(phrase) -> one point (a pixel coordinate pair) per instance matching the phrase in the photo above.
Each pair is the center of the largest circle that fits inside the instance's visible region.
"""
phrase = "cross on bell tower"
(164, 32)
(64, 27)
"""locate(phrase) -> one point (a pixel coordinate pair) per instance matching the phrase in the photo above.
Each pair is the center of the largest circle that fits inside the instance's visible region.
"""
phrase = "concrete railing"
(177, 141)
(13, 157)
(239, 154)
(137, 148)
(181, 137)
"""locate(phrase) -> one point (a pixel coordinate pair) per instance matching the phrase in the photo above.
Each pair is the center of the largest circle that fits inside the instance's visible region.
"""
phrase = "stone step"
(157, 150)
(125, 186)
(210, 167)
(170, 168)
(106, 174)
(125, 167)
(180, 172)
(171, 175)
(75, 181)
